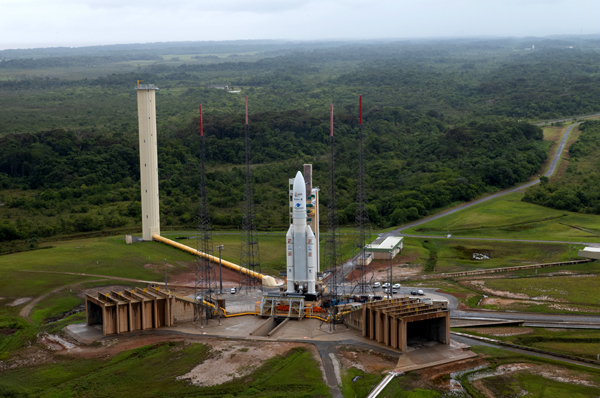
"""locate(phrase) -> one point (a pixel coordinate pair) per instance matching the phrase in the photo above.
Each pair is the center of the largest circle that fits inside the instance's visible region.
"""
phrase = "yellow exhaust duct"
(267, 280)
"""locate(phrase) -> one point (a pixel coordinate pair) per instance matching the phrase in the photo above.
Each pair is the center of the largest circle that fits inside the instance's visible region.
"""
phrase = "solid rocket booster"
(301, 244)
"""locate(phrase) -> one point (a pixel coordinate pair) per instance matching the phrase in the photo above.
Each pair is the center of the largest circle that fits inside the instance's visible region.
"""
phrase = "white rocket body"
(301, 245)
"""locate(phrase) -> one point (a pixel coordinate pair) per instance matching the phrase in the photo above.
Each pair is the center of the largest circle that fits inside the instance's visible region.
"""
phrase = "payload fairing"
(301, 244)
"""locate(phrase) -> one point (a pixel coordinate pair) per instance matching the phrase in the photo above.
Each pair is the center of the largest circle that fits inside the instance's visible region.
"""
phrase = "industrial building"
(593, 253)
(381, 251)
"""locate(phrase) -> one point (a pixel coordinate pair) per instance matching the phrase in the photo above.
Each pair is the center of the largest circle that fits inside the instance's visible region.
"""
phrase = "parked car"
(386, 291)
(413, 293)
(394, 291)
(396, 286)
(420, 293)
(233, 290)
(376, 284)
(385, 285)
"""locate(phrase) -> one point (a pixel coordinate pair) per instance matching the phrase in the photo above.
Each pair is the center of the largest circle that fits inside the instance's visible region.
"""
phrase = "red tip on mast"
(201, 126)
(360, 109)
(331, 120)
(246, 99)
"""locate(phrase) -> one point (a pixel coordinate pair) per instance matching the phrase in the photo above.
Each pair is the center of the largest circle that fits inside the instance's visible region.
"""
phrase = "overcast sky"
(45, 23)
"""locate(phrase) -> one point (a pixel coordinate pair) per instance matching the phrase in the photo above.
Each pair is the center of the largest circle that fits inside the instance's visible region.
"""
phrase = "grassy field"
(101, 256)
(271, 247)
(509, 218)
(581, 290)
(450, 255)
(579, 342)
(153, 370)
(545, 377)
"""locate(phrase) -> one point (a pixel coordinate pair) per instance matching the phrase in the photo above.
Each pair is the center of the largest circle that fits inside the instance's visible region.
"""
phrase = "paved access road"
(551, 170)
(549, 318)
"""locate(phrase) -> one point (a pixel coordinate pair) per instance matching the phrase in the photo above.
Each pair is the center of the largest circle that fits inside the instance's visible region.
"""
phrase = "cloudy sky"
(44, 23)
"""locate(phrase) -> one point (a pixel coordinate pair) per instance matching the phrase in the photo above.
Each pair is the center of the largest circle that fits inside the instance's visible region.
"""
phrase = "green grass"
(577, 290)
(23, 334)
(578, 342)
(452, 255)
(411, 385)
(465, 296)
(536, 385)
(401, 387)
(362, 386)
(66, 299)
(509, 218)
(151, 371)
(99, 256)
(271, 247)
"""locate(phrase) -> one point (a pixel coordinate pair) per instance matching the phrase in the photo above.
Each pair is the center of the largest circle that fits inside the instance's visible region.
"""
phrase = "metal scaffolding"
(333, 254)
(249, 256)
(363, 274)
(205, 282)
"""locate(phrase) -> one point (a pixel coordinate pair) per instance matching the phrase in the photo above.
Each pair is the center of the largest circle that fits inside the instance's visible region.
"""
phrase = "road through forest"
(551, 170)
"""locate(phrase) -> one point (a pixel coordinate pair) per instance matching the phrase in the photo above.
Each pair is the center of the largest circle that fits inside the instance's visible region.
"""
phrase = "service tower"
(148, 160)
(301, 244)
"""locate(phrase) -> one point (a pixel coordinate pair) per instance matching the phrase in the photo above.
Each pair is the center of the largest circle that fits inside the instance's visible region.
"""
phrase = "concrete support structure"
(148, 160)
(138, 309)
(394, 322)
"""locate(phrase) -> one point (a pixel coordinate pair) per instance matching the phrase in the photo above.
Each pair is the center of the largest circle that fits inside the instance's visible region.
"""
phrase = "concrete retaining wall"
(265, 328)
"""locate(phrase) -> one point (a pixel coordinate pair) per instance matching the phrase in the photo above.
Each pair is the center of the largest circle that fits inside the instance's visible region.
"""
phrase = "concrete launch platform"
(434, 355)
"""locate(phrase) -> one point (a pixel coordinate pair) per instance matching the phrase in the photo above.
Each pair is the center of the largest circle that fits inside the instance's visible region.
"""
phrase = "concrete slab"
(238, 327)
(83, 333)
(434, 355)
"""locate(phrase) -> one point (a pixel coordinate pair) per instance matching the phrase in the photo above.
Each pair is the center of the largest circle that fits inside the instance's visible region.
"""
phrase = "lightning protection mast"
(363, 274)
(249, 256)
(333, 255)
(205, 283)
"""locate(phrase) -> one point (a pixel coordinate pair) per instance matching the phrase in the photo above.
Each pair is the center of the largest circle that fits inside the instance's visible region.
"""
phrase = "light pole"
(390, 282)
(166, 287)
(220, 247)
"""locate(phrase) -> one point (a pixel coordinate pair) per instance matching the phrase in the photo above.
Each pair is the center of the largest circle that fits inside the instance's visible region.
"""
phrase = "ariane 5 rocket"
(301, 244)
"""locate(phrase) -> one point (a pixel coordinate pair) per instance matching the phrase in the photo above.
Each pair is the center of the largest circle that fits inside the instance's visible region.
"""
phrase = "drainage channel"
(269, 327)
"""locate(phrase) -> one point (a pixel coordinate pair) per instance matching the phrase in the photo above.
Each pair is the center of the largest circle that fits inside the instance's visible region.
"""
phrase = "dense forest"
(445, 122)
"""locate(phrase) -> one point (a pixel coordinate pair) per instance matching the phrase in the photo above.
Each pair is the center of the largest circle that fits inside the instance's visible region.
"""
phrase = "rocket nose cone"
(299, 182)
(299, 200)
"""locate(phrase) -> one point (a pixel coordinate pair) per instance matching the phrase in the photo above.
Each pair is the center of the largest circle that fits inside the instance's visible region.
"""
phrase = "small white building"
(590, 252)
(381, 251)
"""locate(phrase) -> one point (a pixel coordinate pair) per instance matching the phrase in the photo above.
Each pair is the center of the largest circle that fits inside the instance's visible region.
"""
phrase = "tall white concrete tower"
(148, 160)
